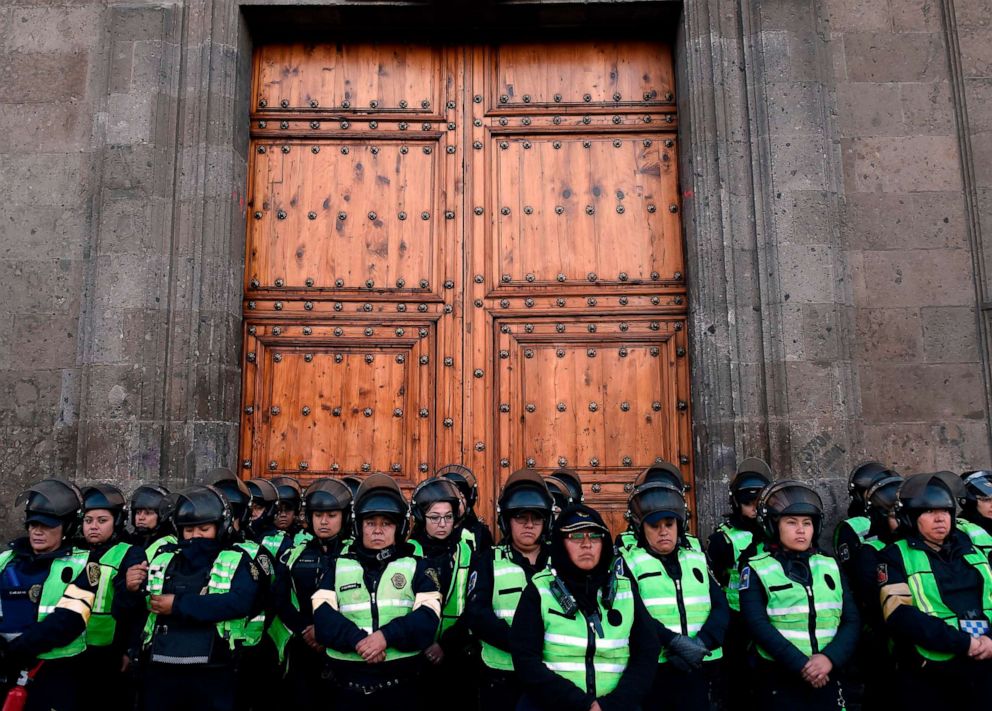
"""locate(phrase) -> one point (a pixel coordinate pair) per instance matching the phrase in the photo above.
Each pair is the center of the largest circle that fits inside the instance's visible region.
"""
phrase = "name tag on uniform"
(976, 628)
(352, 586)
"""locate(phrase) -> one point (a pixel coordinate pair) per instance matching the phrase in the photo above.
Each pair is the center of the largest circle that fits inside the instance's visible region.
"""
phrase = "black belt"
(369, 689)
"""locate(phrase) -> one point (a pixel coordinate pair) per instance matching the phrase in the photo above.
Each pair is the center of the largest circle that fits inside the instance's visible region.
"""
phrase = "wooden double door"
(467, 254)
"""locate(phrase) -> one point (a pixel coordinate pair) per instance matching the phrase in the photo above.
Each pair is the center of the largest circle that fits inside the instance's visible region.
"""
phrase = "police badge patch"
(882, 573)
(264, 564)
(93, 573)
(34, 594)
(472, 579)
(844, 552)
(398, 581)
(745, 578)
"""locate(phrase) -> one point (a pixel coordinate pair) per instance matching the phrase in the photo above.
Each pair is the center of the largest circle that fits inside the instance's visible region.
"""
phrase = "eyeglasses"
(586, 536)
(439, 518)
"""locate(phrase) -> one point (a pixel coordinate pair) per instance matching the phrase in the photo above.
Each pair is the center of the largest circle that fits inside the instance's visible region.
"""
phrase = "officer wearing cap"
(327, 511)
(262, 527)
(47, 591)
(437, 527)
(852, 531)
(201, 594)
(106, 641)
(498, 578)
(149, 528)
(666, 473)
(797, 605)
(257, 671)
(581, 639)
(378, 607)
(976, 509)
(936, 595)
(735, 540)
(873, 663)
(688, 607)
(473, 529)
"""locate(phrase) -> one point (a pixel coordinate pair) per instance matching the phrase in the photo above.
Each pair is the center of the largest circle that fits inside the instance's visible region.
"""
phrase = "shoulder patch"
(745, 578)
(882, 573)
(34, 594)
(472, 579)
(93, 573)
(265, 563)
(844, 552)
(253, 569)
(431, 573)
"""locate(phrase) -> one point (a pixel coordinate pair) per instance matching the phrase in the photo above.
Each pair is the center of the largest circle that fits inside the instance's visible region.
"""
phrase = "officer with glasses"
(581, 638)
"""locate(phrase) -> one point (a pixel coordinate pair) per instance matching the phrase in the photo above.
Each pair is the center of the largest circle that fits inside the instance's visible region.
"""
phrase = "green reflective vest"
(509, 581)
(254, 627)
(926, 595)
(739, 540)
(628, 541)
(455, 595)
(572, 647)
(683, 605)
(221, 575)
(155, 546)
(102, 625)
(273, 542)
(52, 591)
(980, 538)
(806, 615)
(371, 610)
(859, 524)
(302, 536)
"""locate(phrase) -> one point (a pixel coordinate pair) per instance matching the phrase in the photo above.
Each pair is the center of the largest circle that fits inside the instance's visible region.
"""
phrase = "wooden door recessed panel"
(344, 215)
(349, 77)
(581, 210)
(557, 75)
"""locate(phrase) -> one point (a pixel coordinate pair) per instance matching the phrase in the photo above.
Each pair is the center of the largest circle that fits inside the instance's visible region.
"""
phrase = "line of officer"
(47, 593)
(735, 540)
(797, 605)
(327, 512)
(688, 607)
(201, 594)
(498, 578)
(378, 608)
(581, 639)
(936, 597)
(105, 658)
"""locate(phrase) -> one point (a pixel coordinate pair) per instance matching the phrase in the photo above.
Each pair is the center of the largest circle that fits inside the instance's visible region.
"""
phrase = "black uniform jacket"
(754, 602)
(554, 692)
(304, 577)
(960, 587)
(479, 610)
(62, 625)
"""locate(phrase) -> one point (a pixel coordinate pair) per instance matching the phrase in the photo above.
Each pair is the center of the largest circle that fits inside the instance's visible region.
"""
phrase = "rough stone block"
(974, 14)
(885, 57)
(54, 179)
(978, 95)
(136, 23)
(857, 16)
(906, 447)
(45, 340)
(928, 108)
(27, 77)
(823, 331)
(961, 446)
(129, 118)
(933, 277)
(800, 162)
(57, 126)
(867, 109)
(889, 335)
(901, 164)
(950, 334)
(976, 51)
(55, 29)
(805, 217)
(903, 221)
(794, 107)
(31, 396)
(806, 273)
(814, 389)
(981, 144)
(922, 393)
(915, 15)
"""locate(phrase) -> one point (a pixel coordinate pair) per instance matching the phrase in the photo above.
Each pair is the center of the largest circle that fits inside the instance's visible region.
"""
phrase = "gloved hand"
(689, 650)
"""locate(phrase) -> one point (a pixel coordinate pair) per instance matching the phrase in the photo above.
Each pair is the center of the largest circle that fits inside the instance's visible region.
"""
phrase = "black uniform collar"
(520, 559)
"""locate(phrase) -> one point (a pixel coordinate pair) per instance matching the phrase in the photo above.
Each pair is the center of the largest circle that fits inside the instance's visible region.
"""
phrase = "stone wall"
(837, 190)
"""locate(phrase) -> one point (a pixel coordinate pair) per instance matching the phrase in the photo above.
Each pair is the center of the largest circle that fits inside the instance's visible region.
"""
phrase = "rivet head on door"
(249, 410)
(627, 461)
(369, 331)
(623, 301)
(528, 353)
(367, 412)
(656, 406)
(338, 331)
(398, 412)
(246, 464)
(425, 359)
(504, 303)
(478, 372)
(655, 300)
(680, 351)
(308, 357)
(530, 407)
(561, 407)
(422, 467)
(449, 361)
(504, 354)
(596, 487)
(424, 284)
(401, 307)
(560, 327)
(682, 405)
(395, 467)
(560, 352)
(251, 305)
(591, 352)
(305, 410)
(258, 214)
(273, 465)
(562, 462)
(307, 331)
(594, 462)
(622, 352)
(504, 463)
(625, 406)
(366, 467)
(528, 302)
(654, 325)
(338, 358)
(274, 410)
(309, 282)
(528, 328)
(277, 358)
(401, 359)
(336, 412)
(422, 333)
(448, 422)
(591, 328)
(369, 358)
(593, 407)
(530, 461)
(654, 352)
(480, 446)
(683, 459)
(504, 407)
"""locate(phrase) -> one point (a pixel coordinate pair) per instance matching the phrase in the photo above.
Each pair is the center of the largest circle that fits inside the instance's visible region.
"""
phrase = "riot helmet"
(328, 495)
(788, 498)
(379, 494)
(263, 494)
(238, 497)
(436, 490)
(465, 480)
(201, 504)
(572, 482)
(524, 490)
(860, 480)
(977, 485)
(752, 476)
(661, 471)
(352, 482)
(290, 491)
(53, 502)
(559, 494)
(881, 500)
(105, 496)
(150, 497)
(654, 501)
(927, 492)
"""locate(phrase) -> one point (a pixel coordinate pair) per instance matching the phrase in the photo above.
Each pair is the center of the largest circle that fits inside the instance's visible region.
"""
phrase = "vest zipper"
(590, 658)
(374, 608)
(680, 599)
(814, 643)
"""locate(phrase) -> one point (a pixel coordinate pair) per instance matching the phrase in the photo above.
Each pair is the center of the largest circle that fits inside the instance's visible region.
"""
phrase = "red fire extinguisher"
(18, 696)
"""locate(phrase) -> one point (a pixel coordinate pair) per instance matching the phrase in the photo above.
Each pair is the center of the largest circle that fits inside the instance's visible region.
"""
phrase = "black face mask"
(200, 550)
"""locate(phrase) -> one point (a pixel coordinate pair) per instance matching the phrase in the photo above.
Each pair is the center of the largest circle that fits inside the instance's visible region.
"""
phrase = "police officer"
(262, 525)
(499, 576)
(688, 607)
(201, 592)
(47, 590)
(378, 607)
(106, 641)
(581, 638)
(327, 510)
(797, 605)
(665, 473)
(436, 536)
(560, 495)
(936, 597)
(258, 668)
(735, 540)
(288, 508)
(852, 531)
(147, 517)
(572, 483)
(474, 529)
(976, 509)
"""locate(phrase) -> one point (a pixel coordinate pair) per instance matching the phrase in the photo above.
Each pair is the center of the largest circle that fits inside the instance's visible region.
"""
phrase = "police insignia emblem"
(254, 571)
(745, 579)
(34, 593)
(882, 573)
(263, 563)
(398, 581)
(432, 574)
(93, 573)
